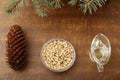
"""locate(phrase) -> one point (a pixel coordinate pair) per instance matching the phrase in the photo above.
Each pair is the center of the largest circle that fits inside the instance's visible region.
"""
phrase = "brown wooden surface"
(67, 23)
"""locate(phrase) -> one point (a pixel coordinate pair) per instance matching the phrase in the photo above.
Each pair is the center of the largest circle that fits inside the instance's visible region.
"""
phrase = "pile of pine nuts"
(57, 54)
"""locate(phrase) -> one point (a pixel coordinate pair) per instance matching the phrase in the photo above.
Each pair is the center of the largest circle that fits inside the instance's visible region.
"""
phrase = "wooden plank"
(70, 24)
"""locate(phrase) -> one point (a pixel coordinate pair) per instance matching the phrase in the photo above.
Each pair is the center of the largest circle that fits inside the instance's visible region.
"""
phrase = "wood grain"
(70, 24)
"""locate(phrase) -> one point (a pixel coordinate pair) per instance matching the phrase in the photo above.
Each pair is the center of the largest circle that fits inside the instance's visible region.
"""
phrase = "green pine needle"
(73, 2)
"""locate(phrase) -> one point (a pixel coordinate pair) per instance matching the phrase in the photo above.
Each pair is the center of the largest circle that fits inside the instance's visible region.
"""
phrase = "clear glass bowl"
(67, 67)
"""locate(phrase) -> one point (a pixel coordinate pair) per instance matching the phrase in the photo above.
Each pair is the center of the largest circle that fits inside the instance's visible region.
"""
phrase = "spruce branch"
(56, 3)
(13, 6)
(42, 6)
(91, 5)
(88, 5)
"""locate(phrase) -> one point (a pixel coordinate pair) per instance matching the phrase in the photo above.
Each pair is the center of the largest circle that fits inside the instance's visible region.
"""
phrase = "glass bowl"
(67, 67)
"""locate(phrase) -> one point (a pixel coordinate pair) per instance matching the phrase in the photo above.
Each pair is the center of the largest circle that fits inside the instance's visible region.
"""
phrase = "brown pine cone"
(15, 47)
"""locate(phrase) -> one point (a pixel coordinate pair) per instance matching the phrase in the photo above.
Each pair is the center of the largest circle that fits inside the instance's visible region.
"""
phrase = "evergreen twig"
(91, 5)
(42, 6)
(13, 6)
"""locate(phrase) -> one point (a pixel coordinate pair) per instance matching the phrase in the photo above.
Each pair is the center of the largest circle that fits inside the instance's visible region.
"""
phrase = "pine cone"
(15, 48)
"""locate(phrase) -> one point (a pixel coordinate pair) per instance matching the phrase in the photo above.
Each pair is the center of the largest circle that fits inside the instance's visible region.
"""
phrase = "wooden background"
(67, 23)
